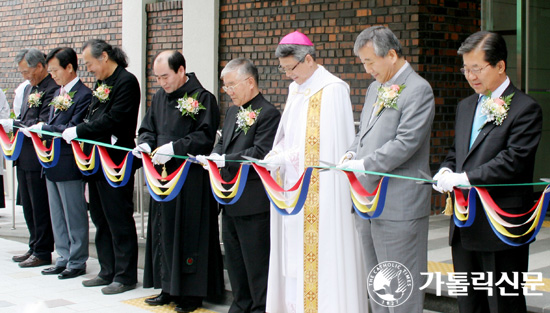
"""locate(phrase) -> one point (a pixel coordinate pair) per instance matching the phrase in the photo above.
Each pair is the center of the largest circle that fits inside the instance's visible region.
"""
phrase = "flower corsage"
(63, 102)
(388, 96)
(102, 92)
(496, 110)
(246, 118)
(35, 99)
(189, 105)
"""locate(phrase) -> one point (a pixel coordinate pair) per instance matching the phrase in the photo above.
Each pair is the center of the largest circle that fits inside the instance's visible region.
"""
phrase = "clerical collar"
(71, 84)
(251, 100)
(394, 77)
(500, 89)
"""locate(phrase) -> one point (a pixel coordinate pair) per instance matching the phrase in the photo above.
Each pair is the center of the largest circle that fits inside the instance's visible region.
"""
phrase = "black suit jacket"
(116, 117)
(500, 155)
(29, 116)
(256, 143)
(66, 168)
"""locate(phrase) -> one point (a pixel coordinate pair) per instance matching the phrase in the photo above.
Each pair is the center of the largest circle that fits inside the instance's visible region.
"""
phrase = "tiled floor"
(27, 291)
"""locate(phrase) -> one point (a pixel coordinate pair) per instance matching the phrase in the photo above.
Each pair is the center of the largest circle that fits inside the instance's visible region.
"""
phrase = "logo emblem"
(390, 284)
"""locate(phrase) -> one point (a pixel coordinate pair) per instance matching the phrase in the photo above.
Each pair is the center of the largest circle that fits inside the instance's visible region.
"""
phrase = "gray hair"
(299, 52)
(32, 56)
(243, 66)
(382, 39)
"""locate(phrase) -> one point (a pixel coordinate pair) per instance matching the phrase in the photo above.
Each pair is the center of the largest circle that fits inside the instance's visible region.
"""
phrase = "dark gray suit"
(66, 188)
(397, 141)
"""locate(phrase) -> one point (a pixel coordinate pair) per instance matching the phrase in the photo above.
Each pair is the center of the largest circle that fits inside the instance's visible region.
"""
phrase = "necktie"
(479, 120)
(62, 91)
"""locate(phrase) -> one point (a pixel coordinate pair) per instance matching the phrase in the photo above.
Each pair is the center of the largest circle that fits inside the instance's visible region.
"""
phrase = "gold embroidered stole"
(311, 206)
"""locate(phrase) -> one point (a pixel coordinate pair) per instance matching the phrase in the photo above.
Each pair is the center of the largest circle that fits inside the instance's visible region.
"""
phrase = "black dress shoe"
(53, 270)
(161, 299)
(189, 304)
(71, 273)
(33, 261)
(22, 257)
(96, 281)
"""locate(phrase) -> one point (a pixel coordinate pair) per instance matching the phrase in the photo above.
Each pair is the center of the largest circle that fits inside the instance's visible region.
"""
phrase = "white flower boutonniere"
(246, 118)
(496, 109)
(35, 99)
(63, 102)
(388, 96)
(189, 106)
(102, 92)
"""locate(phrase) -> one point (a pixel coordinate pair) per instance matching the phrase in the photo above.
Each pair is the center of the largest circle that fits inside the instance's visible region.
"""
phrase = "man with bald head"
(183, 256)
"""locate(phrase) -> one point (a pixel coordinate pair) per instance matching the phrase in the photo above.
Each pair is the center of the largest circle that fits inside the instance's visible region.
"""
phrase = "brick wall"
(48, 24)
(164, 31)
(430, 32)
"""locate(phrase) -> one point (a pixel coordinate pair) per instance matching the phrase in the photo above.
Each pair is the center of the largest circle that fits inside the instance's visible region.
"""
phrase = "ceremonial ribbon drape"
(86, 163)
(359, 197)
(285, 205)
(286, 202)
(164, 189)
(237, 184)
(116, 175)
(465, 211)
(11, 148)
(48, 157)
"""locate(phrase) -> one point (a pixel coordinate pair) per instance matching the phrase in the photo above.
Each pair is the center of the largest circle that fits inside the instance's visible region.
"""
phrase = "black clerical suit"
(183, 255)
(31, 181)
(245, 224)
(501, 154)
(111, 209)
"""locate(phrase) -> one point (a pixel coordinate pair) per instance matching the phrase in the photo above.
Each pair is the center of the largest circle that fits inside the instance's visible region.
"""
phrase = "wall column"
(200, 40)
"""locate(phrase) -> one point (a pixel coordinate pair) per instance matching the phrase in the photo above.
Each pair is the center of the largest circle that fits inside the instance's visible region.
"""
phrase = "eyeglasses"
(232, 88)
(475, 71)
(283, 70)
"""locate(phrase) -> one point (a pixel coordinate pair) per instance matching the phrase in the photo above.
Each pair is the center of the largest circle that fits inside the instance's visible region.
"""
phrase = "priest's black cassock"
(183, 254)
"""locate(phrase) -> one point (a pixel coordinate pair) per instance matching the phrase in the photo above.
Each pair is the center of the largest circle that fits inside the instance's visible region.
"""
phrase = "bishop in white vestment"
(315, 260)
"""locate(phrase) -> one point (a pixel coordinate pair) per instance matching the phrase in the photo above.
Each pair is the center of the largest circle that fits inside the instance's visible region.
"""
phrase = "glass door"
(523, 24)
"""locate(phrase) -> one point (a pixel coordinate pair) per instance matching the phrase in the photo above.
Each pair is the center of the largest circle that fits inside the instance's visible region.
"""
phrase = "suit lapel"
(54, 114)
(233, 133)
(25, 104)
(400, 80)
(488, 127)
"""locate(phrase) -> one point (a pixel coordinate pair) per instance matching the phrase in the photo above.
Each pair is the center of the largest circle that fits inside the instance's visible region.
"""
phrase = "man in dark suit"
(245, 224)
(111, 118)
(32, 185)
(488, 152)
(64, 181)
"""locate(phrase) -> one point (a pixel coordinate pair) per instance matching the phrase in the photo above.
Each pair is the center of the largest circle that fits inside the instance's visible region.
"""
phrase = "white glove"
(202, 159)
(69, 134)
(142, 147)
(353, 165)
(350, 155)
(163, 153)
(218, 159)
(273, 160)
(450, 180)
(25, 131)
(437, 177)
(7, 124)
(36, 127)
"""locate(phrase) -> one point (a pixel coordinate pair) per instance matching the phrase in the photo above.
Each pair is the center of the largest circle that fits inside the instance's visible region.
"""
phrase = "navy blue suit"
(66, 187)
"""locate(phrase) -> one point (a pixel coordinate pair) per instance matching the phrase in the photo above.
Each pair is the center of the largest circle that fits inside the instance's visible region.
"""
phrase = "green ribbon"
(428, 181)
